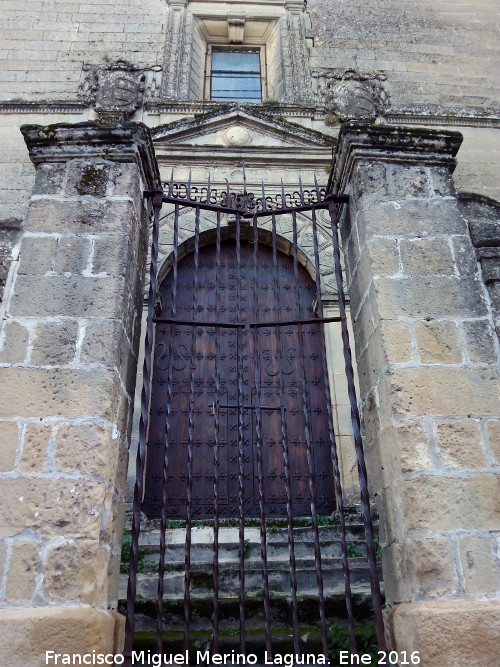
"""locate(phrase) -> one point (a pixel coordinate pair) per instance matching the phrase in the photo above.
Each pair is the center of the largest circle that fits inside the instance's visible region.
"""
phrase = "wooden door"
(194, 370)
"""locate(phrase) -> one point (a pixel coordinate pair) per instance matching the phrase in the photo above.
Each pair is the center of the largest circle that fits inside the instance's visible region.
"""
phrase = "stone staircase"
(279, 584)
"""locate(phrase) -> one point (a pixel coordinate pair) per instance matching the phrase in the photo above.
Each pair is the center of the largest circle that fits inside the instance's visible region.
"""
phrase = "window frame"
(251, 48)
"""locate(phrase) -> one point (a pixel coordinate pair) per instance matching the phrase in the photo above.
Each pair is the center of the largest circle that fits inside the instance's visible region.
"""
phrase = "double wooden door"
(211, 381)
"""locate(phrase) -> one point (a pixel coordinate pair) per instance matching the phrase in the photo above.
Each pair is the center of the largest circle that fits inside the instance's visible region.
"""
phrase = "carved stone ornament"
(351, 94)
(116, 90)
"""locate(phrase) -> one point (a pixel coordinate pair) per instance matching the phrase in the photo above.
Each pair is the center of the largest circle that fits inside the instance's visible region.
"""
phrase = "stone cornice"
(127, 142)
(403, 145)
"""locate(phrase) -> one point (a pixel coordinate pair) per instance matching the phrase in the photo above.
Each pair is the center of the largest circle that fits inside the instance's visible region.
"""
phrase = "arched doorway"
(206, 379)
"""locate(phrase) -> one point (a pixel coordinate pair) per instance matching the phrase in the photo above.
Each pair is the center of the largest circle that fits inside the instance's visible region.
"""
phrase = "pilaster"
(427, 364)
(67, 367)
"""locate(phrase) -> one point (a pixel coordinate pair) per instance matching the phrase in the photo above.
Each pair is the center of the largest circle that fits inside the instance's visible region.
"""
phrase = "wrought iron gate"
(309, 484)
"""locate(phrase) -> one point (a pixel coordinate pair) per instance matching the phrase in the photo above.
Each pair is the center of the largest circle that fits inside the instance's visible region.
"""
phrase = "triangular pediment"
(239, 127)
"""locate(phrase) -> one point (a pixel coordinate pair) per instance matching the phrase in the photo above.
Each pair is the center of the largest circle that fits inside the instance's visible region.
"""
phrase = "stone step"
(279, 578)
(230, 535)
(228, 552)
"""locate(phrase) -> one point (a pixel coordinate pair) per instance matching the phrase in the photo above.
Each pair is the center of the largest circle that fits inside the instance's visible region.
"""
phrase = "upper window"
(236, 75)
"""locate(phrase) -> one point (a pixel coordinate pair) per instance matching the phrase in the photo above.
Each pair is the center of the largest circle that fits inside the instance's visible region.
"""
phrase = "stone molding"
(127, 142)
(419, 146)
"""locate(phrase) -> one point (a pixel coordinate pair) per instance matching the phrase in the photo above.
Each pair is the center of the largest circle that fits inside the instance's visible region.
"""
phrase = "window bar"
(258, 433)
(335, 461)
(310, 464)
(166, 444)
(241, 455)
(143, 428)
(284, 447)
(189, 514)
(356, 424)
(216, 467)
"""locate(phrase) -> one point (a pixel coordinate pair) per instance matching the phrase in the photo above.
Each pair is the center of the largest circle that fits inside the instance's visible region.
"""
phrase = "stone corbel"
(236, 28)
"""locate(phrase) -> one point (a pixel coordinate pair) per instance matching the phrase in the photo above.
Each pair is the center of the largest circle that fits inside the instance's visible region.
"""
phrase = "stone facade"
(421, 256)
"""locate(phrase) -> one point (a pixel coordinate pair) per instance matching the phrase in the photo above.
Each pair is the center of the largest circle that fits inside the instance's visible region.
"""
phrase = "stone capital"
(126, 142)
(402, 145)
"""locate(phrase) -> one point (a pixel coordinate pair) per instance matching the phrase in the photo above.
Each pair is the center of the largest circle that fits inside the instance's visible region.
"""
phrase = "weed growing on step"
(125, 557)
(338, 640)
(353, 551)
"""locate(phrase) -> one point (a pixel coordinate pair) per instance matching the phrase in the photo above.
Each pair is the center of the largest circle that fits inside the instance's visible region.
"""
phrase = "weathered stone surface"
(480, 564)
(438, 390)
(37, 255)
(87, 177)
(480, 342)
(71, 573)
(408, 181)
(49, 179)
(55, 343)
(3, 556)
(58, 393)
(438, 342)
(85, 447)
(79, 217)
(459, 443)
(53, 506)
(412, 445)
(493, 430)
(73, 296)
(384, 256)
(35, 448)
(72, 630)
(15, 344)
(9, 437)
(431, 629)
(452, 503)
(72, 255)
(429, 570)
(23, 569)
(427, 256)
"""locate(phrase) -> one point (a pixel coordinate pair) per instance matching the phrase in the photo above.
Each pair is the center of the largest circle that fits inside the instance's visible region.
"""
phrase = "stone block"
(89, 216)
(37, 255)
(71, 573)
(442, 182)
(72, 630)
(427, 256)
(429, 297)
(480, 566)
(55, 507)
(23, 569)
(414, 218)
(493, 430)
(85, 447)
(413, 446)
(479, 338)
(9, 438)
(459, 443)
(3, 557)
(35, 448)
(56, 392)
(438, 342)
(406, 181)
(72, 255)
(465, 257)
(49, 179)
(384, 255)
(15, 344)
(452, 503)
(75, 296)
(88, 177)
(437, 390)
(448, 633)
(370, 179)
(55, 343)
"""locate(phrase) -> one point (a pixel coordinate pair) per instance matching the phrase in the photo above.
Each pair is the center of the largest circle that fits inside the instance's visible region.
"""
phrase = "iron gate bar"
(358, 443)
(216, 462)
(163, 523)
(258, 433)
(284, 323)
(194, 323)
(156, 197)
(284, 448)
(241, 472)
(189, 513)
